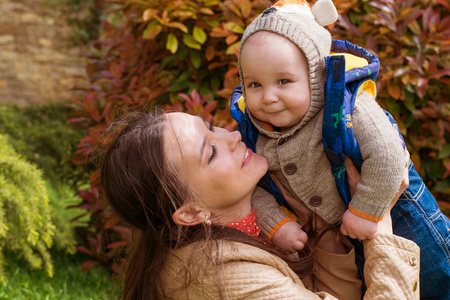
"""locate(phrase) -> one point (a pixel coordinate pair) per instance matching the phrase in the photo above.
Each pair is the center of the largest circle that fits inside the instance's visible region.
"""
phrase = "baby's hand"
(290, 237)
(357, 227)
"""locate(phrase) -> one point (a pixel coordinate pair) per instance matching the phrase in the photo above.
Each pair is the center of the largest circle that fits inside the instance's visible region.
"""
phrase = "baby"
(289, 81)
(283, 75)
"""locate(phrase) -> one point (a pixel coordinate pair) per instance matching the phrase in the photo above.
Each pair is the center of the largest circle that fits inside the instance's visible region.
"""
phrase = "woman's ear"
(188, 216)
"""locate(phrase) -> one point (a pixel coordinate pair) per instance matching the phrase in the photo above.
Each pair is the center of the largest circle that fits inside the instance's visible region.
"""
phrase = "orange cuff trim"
(365, 216)
(277, 226)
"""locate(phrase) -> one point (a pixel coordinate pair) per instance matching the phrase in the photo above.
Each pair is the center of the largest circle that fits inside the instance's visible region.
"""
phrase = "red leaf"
(231, 72)
(426, 18)
(430, 112)
(74, 106)
(175, 107)
(209, 108)
(394, 90)
(185, 97)
(206, 97)
(124, 232)
(214, 65)
(88, 265)
(79, 160)
(75, 120)
(107, 73)
(88, 196)
(444, 3)
(85, 250)
(99, 242)
(413, 15)
(443, 204)
(195, 97)
(89, 106)
(422, 86)
(119, 244)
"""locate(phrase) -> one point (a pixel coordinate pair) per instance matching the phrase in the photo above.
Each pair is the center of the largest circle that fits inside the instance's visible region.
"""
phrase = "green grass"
(67, 283)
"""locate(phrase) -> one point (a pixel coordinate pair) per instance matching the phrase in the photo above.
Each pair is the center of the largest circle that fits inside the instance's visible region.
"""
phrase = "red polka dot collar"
(247, 225)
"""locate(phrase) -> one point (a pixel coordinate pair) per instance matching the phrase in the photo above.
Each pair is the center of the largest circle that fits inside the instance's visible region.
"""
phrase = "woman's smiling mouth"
(248, 155)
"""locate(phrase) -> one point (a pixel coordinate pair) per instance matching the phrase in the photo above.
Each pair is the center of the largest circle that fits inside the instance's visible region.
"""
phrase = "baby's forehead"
(264, 36)
(267, 38)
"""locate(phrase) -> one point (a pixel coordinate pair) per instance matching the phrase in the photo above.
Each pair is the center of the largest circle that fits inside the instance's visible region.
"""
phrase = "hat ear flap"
(324, 12)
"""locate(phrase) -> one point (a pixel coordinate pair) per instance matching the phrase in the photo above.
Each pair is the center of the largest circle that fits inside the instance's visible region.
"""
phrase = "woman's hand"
(353, 177)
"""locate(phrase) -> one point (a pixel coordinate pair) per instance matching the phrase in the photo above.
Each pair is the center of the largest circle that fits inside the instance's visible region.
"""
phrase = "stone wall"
(36, 66)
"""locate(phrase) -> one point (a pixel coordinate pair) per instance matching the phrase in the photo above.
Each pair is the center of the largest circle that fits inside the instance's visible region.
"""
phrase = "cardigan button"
(290, 169)
(413, 261)
(315, 201)
(281, 141)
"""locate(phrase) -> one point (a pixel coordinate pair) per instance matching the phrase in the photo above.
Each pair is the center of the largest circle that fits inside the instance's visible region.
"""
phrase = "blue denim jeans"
(416, 216)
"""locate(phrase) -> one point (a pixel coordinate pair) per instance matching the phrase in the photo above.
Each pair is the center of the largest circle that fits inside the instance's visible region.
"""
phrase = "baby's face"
(276, 79)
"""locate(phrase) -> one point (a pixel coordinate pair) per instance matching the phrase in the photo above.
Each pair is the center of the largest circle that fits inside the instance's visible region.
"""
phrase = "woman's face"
(220, 168)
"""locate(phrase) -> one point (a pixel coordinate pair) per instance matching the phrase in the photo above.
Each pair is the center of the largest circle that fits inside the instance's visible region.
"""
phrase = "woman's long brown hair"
(144, 190)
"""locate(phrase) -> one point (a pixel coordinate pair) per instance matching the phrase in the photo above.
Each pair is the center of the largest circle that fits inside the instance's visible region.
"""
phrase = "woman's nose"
(234, 138)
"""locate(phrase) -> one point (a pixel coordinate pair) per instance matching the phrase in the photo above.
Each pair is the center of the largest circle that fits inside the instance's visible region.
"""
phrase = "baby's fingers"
(298, 245)
(344, 230)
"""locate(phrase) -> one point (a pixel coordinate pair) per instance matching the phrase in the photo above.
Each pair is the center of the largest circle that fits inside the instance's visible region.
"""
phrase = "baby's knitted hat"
(303, 26)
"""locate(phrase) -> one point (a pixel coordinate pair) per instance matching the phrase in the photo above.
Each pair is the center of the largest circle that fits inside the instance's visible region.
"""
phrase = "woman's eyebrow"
(202, 147)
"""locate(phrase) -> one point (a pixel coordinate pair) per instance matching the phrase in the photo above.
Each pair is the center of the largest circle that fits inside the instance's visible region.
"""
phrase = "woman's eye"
(255, 85)
(213, 154)
(284, 81)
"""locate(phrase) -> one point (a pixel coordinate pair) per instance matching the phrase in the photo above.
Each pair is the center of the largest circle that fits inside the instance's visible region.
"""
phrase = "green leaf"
(234, 27)
(191, 42)
(166, 61)
(393, 106)
(152, 30)
(445, 152)
(209, 3)
(184, 76)
(199, 35)
(442, 186)
(212, 22)
(410, 106)
(196, 59)
(231, 48)
(215, 83)
(204, 90)
(179, 86)
(172, 43)
(178, 25)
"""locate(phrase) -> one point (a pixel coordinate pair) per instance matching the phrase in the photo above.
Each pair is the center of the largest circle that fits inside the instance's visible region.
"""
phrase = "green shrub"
(65, 217)
(41, 135)
(25, 217)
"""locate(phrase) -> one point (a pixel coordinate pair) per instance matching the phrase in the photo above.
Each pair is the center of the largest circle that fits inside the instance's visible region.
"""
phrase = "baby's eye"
(284, 81)
(255, 85)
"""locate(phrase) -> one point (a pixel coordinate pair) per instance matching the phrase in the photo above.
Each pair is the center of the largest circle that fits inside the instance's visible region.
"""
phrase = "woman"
(184, 186)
